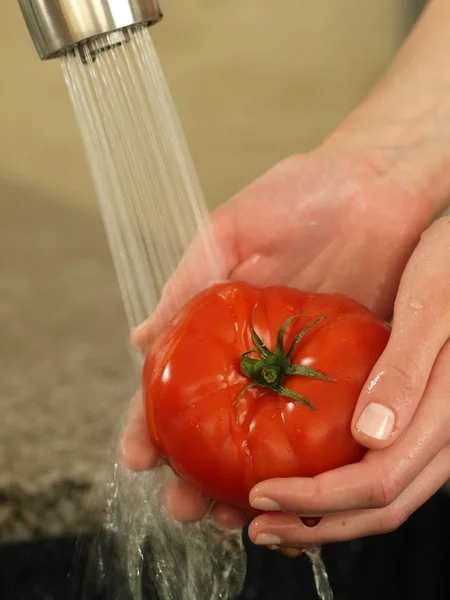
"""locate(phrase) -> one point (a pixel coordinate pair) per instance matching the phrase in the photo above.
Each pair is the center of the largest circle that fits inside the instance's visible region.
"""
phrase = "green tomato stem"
(270, 369)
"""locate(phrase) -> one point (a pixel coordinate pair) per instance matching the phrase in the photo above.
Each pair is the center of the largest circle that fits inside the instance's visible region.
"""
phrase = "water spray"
(152, 207)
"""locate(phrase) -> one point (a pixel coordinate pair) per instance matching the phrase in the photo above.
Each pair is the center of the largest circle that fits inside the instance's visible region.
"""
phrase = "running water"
(150, 197)
(323, 587)
(152, 208)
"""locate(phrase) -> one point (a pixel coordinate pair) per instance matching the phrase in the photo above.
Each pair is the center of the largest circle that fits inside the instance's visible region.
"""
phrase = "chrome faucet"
(59, 26)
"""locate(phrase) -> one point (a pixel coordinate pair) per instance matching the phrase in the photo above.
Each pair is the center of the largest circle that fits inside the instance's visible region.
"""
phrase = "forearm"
(405, 121)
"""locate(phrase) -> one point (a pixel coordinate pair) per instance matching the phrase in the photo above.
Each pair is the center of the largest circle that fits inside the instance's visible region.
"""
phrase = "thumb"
(421, 326)
(209, 258)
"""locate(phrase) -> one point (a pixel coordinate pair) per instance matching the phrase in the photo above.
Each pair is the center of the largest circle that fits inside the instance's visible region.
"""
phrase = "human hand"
(346, 218)
(407, 429)
(323, 222)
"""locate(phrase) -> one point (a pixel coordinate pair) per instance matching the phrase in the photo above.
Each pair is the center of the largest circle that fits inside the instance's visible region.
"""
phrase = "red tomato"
(227, 418)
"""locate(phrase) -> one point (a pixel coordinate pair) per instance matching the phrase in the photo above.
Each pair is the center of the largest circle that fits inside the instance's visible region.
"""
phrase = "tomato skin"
(192, 381)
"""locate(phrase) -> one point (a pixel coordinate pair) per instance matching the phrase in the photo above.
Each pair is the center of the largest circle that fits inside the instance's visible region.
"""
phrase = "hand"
(346, 218)
(403, 416)
(323, 222)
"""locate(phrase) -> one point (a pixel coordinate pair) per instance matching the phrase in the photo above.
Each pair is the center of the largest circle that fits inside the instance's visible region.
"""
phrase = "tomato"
(249, 383)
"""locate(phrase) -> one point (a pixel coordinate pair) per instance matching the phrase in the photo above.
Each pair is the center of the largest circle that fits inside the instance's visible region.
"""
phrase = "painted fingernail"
(267, 539)
(264, 504)
(376, 421)
(292, 552)
(141, 327)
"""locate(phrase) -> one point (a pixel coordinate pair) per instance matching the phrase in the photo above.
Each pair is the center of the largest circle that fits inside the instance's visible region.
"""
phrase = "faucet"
(57, 27)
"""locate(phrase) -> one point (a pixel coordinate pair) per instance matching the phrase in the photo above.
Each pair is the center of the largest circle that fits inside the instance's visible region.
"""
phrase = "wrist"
(404, 124)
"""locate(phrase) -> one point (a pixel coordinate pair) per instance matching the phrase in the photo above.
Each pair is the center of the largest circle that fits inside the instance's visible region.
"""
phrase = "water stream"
(152, 208)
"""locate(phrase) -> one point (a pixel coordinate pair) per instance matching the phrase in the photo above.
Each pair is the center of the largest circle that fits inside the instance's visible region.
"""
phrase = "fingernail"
(264, 504)
(376, 421)
(292, 552)
(140, 328)
(267, 539)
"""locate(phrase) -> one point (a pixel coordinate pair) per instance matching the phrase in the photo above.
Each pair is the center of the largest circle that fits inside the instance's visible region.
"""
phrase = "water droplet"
(415, 305)
(375, 381)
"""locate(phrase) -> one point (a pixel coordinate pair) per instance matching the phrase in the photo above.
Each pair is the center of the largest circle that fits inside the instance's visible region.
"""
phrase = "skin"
(352, 217)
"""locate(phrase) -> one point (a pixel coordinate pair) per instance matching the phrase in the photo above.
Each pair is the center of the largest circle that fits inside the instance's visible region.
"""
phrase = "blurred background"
(251, 86)
(253, 83)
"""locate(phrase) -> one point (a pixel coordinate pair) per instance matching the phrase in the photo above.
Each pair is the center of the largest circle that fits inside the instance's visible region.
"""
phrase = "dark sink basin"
(409, 564)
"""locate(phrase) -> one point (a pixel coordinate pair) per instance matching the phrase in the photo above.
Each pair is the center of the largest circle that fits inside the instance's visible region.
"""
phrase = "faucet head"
(58, 26)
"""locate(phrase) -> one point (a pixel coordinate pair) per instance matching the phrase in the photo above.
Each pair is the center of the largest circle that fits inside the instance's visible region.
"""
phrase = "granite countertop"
(65, 371)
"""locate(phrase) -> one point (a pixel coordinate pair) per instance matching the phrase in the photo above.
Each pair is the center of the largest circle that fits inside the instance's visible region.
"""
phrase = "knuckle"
(389, 490)
(391, 520)
(405, 375)
(383, 491)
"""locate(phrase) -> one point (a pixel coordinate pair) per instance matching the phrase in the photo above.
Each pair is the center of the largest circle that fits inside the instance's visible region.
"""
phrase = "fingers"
(291, 552)
(210, 258)
(137, 450)
(381, 477)
(288, 531)
(421, 327)
(183, 502)
(228, 517)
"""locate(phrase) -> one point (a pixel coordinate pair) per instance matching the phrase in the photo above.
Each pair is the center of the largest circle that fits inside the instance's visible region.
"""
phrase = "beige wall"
(253, 81)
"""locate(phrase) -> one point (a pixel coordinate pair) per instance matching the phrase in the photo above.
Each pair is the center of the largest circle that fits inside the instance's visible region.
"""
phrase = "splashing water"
(152, 208)
(142, 545)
